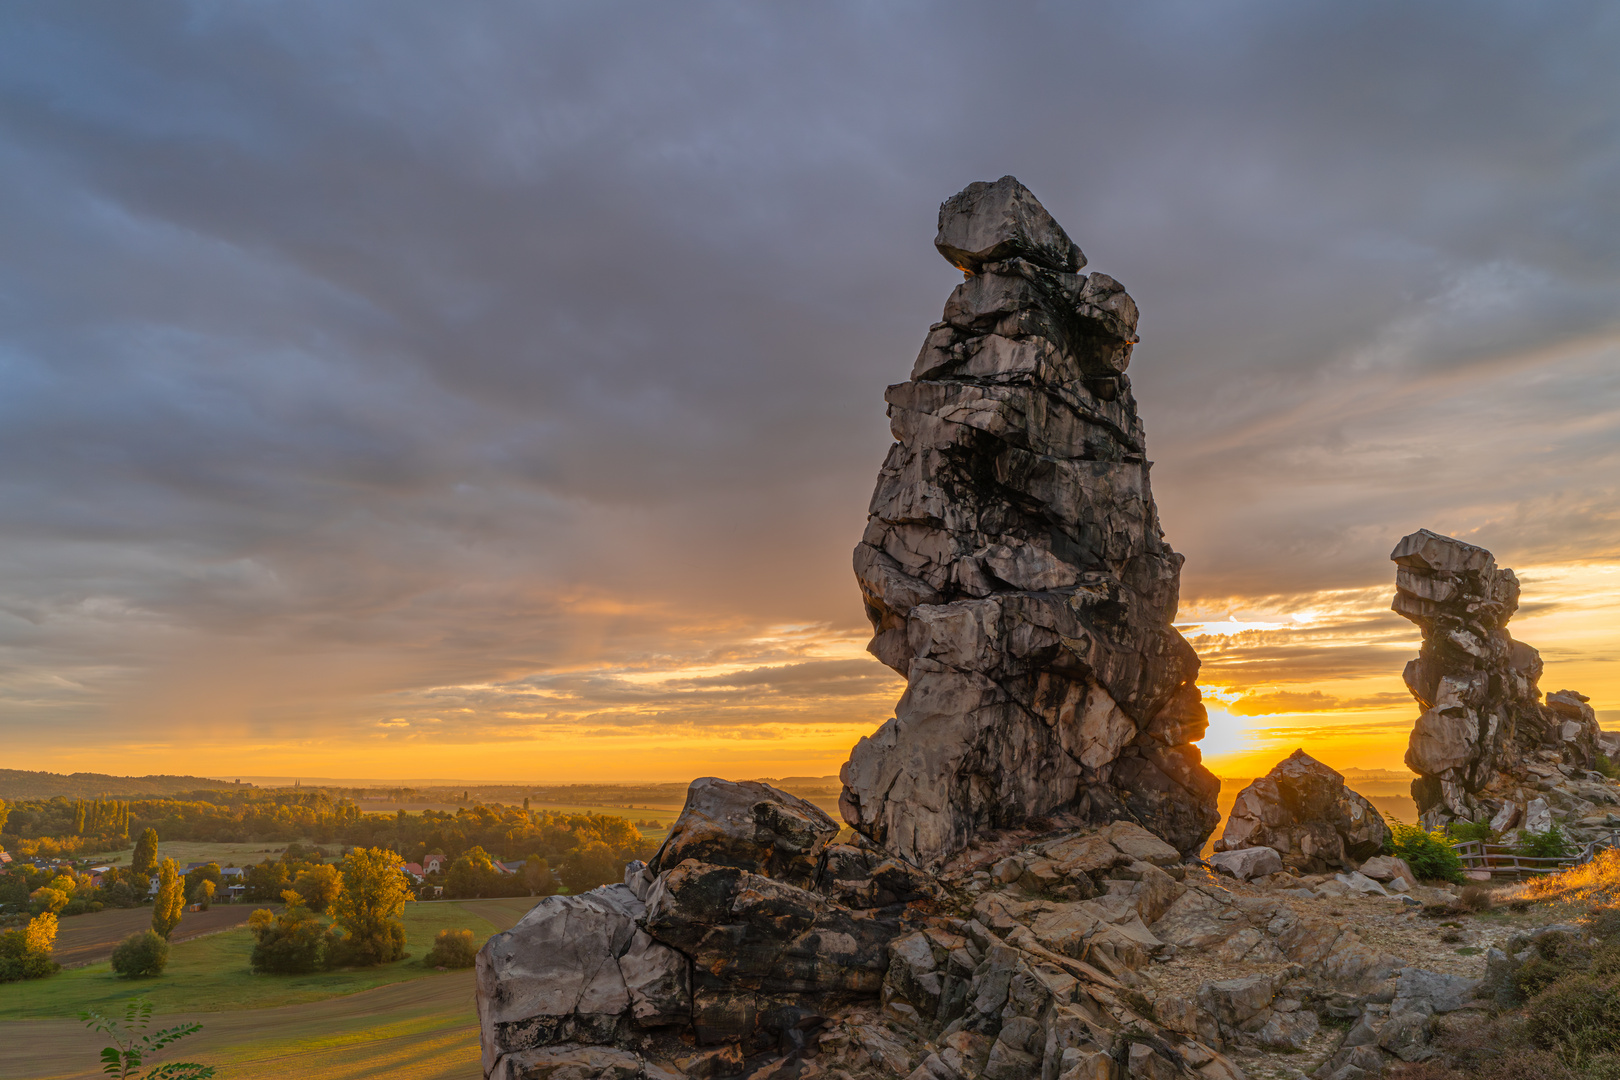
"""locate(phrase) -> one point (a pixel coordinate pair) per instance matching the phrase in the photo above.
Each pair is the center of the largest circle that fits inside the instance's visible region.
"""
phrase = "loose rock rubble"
(1013, 566)
(1486, 747)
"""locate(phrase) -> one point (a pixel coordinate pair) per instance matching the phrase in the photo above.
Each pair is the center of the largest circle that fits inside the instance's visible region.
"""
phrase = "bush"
(1429, 855)
(1552, 844)
(26, 953)
(452, 949)
(292, 943)
(1477, 898)
(1577, 1018)
(383, 945)
(141, 955)
(1556, 956)
(1463, 831)
(1606, 767)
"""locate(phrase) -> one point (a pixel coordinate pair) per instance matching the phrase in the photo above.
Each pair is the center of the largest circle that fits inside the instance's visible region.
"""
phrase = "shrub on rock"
(141, 955)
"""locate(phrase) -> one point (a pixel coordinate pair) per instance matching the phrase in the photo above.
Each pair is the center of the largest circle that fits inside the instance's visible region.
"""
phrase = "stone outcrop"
(746, 926)
(1302, 810)
(1486, 747)
(1014, 569)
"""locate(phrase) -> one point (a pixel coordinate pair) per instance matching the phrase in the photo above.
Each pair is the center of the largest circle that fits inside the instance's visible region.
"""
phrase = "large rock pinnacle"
(1485, 740)
(1013, 566)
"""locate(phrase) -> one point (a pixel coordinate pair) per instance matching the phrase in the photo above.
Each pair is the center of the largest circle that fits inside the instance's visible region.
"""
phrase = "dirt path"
(88, 939)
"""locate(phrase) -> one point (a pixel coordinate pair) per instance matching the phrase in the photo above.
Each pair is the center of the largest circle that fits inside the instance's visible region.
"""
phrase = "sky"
(494, 390)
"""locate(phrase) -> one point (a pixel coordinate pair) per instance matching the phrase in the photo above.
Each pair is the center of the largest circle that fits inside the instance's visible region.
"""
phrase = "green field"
(190, 851)
(211, 973)
(399, 1020)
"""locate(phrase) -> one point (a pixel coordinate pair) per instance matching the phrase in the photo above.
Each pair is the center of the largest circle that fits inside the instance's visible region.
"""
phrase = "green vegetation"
(452, 949)
(1608, 768)
(133, 1045)
(319, 886)
(1464, 831)
(1552, 844)
(374, 894)
(26, 953)
(1429, 854)
(210, 974)
(141, 955)
(144, 860)
(291, 943)
(170, 902)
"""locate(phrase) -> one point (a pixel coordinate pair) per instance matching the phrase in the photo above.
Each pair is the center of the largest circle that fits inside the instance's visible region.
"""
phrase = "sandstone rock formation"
(1013, 566)
(1486, 747)
(1302, 810)
(745, 925)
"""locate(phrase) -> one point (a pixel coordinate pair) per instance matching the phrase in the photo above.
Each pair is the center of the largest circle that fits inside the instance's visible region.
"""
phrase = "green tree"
(170, 902)
(133, 1045)
(319, 886)
(374, 895)
(197, 875)
(26, 953)
(204, 896)
(140, 954)
(144, 860)
(590, 865)
(266, 881)
(291, 943)
(473, 874)
(537, 877)
(4, 813)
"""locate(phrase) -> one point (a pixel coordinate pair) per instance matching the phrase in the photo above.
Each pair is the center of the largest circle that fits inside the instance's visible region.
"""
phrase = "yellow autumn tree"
(170, 901)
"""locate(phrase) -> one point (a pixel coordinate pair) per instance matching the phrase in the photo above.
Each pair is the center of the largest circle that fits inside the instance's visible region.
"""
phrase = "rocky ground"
(1293, 975)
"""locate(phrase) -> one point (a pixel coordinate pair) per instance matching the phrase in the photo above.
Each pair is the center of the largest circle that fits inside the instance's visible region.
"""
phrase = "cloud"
(1269, 703)
(466, 369)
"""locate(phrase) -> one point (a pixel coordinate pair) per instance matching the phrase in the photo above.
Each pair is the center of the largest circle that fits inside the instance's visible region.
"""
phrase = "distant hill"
(22, 784)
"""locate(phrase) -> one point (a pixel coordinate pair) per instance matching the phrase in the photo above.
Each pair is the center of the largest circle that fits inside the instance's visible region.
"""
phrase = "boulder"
(1303, 810)
(988, 223)
(1248, 863)
(1388, 868)
(1014, 570)
(1483, 731)
(1233, 1001)
(555, 976)
(748, 825)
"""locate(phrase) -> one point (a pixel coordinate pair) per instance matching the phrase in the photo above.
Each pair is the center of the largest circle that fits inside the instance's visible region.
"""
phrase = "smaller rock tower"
(1486, 748)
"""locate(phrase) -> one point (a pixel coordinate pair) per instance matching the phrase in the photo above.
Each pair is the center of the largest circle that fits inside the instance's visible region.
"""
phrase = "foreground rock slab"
(1014, 569)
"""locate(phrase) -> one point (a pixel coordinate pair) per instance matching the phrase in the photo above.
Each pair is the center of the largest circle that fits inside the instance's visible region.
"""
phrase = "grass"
(190, 851)
(420, 1030)
(211, 974)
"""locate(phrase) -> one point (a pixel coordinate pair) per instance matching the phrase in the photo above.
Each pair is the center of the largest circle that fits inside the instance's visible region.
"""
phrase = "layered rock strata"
(1013, 566)
(1303, 811)
(1486, 747)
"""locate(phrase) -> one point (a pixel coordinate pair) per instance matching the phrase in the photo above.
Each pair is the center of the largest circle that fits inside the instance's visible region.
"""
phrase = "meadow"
(399, 1020)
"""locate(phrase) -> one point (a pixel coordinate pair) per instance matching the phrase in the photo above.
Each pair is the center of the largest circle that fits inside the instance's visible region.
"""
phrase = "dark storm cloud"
(354, 352)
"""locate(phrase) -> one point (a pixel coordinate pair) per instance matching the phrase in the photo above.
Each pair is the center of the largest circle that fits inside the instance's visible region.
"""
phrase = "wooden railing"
(1500, 860)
